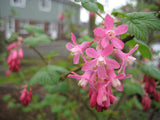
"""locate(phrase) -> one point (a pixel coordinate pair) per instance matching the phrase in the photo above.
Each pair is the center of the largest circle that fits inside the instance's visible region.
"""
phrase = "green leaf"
(143, 48)
(13, 37)
(60, 87)
(34, 41)
(77, 0)
(52, 54)
(131, 88)
(90, 6)
(56, 108)
(100, 6)
(151, 71)
(33, 29)
(45, 76)
(57, 68)
(6, 98)
(139, 22)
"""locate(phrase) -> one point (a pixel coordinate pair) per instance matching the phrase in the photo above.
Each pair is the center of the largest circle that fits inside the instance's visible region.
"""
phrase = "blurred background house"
(15, 14)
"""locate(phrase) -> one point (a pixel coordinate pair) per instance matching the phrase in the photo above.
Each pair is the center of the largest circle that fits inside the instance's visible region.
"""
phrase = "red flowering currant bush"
(109, 67)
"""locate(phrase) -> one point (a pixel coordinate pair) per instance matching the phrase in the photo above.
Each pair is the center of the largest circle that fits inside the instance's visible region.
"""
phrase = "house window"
(53, 30)
(21, 27)
(10, 27)
(40, 25)
(18, 3)
(45, 5)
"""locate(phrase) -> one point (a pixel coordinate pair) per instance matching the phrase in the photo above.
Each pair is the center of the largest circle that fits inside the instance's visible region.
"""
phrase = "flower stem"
(100, 15)
(41, 56)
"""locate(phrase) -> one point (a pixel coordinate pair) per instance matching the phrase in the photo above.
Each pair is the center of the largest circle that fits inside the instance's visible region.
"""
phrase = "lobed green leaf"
(151, 71)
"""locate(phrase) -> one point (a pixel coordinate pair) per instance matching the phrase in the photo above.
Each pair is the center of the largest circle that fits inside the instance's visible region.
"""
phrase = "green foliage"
(6, 98)
(13, 37)
(151, 71)
(48, 75)
(59, 87)
(131, 88)
(52, 54)
(100, 7)
(139, 22)
(90, 5)
(143, 48)
(36, 40)
(33, 29)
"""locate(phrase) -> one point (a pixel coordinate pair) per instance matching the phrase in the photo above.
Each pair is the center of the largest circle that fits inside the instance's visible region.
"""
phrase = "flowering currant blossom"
(125, 57)
(76, 49)
(146, 102)
(100, 61)
(16, 53)
(26, 96)
(99, 70)
(108, 34)
(61, 16)
(149, 90)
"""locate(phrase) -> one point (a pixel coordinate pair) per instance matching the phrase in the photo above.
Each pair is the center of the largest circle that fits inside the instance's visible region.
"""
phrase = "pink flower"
(84, 79)
(110, 35)
(157, 96)
(100, 60)
(76, 49)
(61, 16)
(100, 96)
(91, 14)
(146, 102)
(8, 73)
(11, 46)
(125, 58)
(114, 79)
(26, 96)
(150, 86)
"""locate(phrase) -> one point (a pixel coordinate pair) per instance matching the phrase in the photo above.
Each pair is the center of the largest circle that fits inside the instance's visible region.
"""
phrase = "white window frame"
(19, 3)
(45, 8)
(10, 27)
(53, 30)
(21, 27)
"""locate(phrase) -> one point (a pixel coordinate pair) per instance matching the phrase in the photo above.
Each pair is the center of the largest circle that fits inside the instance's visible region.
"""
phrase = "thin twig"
(100, 15)
(41, 56)
(128, 38)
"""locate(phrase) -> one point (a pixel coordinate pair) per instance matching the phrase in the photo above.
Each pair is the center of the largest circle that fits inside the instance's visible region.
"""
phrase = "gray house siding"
(32, 12)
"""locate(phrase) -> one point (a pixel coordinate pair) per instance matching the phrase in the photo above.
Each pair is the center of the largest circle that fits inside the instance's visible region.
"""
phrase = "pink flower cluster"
(26, 96)
(150, 89)
(61, 16)
(16, 53)
(99, 69)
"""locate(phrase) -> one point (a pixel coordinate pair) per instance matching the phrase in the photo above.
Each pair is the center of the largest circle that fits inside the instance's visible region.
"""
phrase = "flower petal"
(76, 76)
(107, 50)
(99, 32)
(120, 88)
(91, 53)
(76, 59)
(104, 42)
(73, 38)
(100, 96)
(93, 100)
(133, 49)
(117, 43)
(69, 46)
(101, 72)
(121, 29)
(109, 22)
(112, 63)
(111, 73)
(89, 65)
